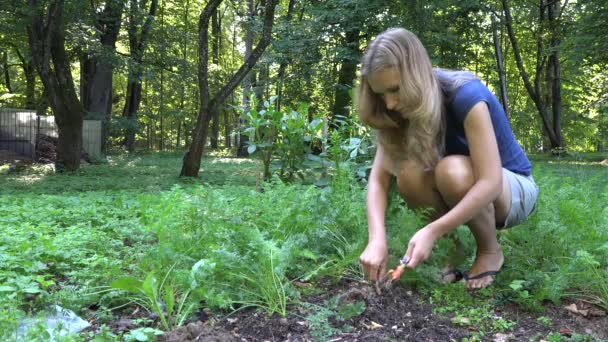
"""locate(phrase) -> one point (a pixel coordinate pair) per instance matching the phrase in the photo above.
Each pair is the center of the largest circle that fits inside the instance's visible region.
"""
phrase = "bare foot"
(484, 262)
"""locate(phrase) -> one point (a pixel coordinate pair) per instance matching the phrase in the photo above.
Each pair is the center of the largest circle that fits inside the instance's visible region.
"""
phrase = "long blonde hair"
(417, 130)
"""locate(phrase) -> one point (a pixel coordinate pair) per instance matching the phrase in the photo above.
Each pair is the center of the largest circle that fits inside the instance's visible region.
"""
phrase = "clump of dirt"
(46, 150)
(198, 331)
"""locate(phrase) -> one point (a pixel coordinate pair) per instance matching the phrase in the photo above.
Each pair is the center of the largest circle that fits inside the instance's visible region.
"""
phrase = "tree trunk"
(29, 71)
(43, 104)
(30, 85)
(556, 84)
(133, 98)
(346, 77)
(47, 43)
(192, 158)
(137, 45)
(227, 125)
(183, 72)
(243, 138)
(283, 64)
(161, 107)
(97, 68)
(534, 91)
(7, 75)
(215, 53)
(500, 67)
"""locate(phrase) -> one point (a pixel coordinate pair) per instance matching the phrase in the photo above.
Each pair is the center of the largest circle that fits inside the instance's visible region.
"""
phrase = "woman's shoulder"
(467, 95)
(471, 88)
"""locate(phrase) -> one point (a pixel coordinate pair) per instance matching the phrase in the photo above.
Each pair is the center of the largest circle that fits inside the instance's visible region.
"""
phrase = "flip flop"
(458, 275)
(466, 276)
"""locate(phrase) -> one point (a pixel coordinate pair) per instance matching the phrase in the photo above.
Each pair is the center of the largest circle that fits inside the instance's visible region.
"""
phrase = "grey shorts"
(524, 193)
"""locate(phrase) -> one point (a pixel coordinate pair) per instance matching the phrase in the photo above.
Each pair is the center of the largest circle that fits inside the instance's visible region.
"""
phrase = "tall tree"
(138, 38)
(500, 66)
(216, 36)
(97, 63)
(46, 33)
(285, 60)
(6, 73)
(29, 71)
(547, 101)
(343, 24)
(192, 158)
(243, 138)
(14, 39)
(183, 70)
(346, 76)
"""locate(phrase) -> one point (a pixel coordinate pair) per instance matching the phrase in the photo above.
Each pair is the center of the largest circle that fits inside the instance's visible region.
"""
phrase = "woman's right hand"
(374, 259)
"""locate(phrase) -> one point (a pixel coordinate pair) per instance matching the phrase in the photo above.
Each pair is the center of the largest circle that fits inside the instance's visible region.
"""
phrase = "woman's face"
(385, 83)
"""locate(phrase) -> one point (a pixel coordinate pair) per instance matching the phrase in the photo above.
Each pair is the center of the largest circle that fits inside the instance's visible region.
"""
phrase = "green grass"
(570, 157)
(140, 173)
(70, 239)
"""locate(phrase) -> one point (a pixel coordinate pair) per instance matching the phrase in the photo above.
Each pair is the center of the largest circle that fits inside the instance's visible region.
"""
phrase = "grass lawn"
(130, 233)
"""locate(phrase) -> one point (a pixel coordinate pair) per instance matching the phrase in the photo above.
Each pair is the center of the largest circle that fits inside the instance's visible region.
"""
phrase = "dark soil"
(46, 150)
(398, 314)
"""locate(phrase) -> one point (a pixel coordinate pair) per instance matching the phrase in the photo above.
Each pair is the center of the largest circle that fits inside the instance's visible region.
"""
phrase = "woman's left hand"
(420, 246)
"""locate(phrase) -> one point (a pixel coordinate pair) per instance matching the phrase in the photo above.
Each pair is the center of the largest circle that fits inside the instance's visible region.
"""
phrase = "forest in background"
(164, 73)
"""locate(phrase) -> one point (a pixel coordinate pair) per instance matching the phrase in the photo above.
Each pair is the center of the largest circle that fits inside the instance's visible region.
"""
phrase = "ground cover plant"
(128, 241)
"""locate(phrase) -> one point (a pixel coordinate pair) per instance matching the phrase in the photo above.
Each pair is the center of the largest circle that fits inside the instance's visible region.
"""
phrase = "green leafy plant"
(256, 279)
(142, 335)
(467, 311)
(295, 140)
(262, 128)
(546, 321)
(286, 136)
(321, 317)
(158, 297)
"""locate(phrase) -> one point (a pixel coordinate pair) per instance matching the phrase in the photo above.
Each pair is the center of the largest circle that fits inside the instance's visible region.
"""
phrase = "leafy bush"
(287, 136)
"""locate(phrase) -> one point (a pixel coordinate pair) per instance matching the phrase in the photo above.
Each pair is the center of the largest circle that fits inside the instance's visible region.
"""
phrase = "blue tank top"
(458, 105)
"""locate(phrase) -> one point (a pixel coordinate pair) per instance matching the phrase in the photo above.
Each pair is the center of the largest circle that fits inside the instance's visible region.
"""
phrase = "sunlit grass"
(139, 172)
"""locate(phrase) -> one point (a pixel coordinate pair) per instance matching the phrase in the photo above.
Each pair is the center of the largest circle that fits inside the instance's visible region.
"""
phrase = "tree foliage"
(313, 58)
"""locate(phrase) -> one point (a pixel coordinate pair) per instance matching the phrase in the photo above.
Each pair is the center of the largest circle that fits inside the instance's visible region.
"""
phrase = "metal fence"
(20, 127)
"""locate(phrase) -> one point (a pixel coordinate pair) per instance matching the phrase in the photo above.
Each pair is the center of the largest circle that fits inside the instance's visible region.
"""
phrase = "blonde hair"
(416, 131)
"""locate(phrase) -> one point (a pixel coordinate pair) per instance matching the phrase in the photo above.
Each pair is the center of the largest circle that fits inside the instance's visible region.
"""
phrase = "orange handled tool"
(392, 275)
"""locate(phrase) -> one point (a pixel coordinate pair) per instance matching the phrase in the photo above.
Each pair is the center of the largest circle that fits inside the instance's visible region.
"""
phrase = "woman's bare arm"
(486, 167)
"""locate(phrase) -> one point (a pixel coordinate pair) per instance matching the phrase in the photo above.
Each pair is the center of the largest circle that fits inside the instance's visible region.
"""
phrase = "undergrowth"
(129, 232)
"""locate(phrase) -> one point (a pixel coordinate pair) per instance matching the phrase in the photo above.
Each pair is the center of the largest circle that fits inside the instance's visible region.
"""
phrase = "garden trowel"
(391, 276)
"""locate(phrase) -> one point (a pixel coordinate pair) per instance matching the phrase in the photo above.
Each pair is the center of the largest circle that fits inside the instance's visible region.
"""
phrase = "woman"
(446, 139)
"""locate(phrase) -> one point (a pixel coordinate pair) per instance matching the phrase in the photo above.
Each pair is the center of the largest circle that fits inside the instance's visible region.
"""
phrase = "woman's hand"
(420, 246)
(374, 259)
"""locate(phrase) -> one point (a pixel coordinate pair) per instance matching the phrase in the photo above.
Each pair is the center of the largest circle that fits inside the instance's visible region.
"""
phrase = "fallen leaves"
(373, 325)
(503, 337)
(585, 312)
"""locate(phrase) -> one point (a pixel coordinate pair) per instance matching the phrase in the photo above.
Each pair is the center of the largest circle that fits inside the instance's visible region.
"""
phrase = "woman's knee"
(454, 176)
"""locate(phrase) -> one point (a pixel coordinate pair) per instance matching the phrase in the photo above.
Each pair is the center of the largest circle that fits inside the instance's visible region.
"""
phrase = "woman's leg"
(444, 187)
(418, 187)
(454, 177)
